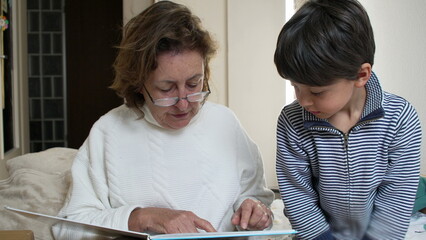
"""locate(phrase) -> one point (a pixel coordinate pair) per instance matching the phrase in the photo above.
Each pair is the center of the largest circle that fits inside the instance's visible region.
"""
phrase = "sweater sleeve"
(252, 177)
(89, 198)
(396, 194)
(296, 182)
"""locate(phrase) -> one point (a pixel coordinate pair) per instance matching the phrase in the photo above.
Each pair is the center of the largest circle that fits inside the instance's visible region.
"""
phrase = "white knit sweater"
(209, 167)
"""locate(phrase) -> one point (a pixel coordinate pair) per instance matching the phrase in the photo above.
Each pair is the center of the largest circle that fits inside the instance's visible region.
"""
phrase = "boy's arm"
(395, 196)
(295, 182)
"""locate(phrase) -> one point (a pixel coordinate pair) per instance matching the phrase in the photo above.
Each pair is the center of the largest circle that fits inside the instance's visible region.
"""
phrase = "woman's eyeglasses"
(167, 102)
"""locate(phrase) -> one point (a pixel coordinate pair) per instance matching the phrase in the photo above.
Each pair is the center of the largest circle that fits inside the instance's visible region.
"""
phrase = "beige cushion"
(280, 221)
(38, 182)
(53, 160)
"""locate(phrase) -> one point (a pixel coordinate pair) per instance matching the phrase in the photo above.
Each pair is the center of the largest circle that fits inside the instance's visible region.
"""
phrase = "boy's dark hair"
(323, 41)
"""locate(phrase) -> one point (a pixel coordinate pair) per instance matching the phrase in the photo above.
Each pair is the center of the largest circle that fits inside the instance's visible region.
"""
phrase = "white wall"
(256, 91)
(400, 61)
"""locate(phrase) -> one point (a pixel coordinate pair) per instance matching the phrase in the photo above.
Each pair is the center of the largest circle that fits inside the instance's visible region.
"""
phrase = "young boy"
(348, 153)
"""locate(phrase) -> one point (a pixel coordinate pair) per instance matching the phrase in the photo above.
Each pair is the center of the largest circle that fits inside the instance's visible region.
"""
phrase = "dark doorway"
(6, 94)
(93, 29)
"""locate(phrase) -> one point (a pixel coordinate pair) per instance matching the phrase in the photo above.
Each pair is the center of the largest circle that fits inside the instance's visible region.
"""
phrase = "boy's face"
(326, 101)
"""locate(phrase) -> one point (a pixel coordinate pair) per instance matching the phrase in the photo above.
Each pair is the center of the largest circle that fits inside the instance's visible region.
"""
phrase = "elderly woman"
(168, 161)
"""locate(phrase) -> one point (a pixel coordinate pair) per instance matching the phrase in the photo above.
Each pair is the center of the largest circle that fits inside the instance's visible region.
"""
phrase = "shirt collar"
(148, 116)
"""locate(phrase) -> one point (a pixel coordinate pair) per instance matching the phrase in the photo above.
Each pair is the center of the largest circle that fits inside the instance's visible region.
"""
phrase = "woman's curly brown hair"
(163, 27)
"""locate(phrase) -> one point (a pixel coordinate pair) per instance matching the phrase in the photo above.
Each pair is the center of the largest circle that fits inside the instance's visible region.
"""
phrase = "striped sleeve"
(396, 194)
(295, 180)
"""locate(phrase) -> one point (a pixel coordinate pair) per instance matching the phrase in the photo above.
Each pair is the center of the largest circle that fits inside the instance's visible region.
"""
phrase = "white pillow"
(280, 220)
(53, 160)
(38, 182)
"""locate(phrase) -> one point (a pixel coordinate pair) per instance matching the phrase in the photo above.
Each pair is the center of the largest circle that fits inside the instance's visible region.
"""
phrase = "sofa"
(37, 182)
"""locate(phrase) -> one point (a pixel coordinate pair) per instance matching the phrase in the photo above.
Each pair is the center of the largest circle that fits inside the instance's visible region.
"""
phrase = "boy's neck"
(349, 116)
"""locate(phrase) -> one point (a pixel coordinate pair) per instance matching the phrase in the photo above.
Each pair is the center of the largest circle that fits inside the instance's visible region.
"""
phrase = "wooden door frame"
(19, 87)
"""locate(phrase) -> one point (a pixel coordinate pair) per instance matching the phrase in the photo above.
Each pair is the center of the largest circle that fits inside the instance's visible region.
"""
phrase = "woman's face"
(177, 75)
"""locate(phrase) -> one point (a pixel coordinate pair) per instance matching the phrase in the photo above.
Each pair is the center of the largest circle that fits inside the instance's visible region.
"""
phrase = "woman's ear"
(363, 75)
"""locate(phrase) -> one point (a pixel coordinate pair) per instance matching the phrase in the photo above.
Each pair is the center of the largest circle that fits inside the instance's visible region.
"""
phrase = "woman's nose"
(183, 103)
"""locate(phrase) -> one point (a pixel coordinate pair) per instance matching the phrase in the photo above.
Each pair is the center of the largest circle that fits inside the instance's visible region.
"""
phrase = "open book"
(122, 234)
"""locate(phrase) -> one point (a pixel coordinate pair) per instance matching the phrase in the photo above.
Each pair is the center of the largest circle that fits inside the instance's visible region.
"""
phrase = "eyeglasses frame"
(206, 94)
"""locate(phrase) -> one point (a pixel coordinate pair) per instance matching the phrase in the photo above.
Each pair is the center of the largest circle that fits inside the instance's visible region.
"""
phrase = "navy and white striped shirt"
(359, 184)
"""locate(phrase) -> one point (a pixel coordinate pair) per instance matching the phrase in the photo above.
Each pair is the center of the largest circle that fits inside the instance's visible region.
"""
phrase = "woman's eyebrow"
(168, 81)
(198, 75)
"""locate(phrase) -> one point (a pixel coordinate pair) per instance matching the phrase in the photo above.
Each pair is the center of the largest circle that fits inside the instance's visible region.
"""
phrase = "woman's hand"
(164, 220)
(252, 215)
